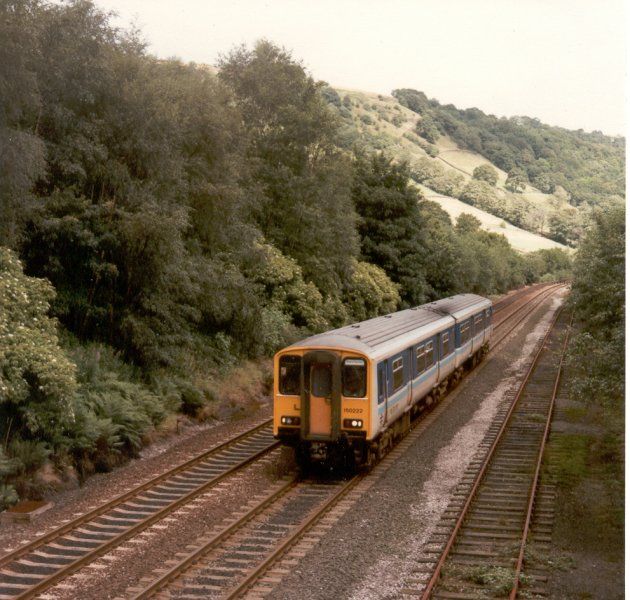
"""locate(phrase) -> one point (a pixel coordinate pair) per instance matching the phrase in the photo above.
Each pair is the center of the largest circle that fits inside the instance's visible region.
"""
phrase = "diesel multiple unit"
(345, 395)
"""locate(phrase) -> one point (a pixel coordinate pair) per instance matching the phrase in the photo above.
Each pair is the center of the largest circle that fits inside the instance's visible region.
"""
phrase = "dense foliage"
(176, 222)
(486, 173)
(595, 375)
(598, 350)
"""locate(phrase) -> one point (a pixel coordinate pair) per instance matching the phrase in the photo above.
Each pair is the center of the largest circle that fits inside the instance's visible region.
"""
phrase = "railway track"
(235, 560)
(478, 550)
(34, 567)
(519, 293)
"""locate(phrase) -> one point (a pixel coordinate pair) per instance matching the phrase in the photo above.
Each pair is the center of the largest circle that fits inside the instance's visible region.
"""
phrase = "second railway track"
(479, 547)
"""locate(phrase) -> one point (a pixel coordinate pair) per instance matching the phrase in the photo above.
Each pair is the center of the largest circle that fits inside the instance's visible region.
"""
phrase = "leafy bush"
(397, 120)
(365, 118)
(331, 96)
(37, 381)
(428, 129)
(448, 183)
(431, 150)
(516, 181)
(8, 495)
(486, 173)
(480, 194)
(371, 293)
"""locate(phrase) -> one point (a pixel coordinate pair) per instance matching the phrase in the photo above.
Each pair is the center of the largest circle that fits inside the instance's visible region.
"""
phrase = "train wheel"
(382, 448)
(370, 459)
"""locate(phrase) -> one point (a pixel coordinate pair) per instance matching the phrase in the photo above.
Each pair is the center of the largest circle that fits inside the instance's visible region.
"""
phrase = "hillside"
(589, 166)
(529, 217)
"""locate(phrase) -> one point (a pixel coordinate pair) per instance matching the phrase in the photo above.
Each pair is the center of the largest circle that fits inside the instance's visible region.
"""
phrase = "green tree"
(486, 173)
(21, 149)
(467, 223)
(371, 293)
(597, 351)
(516, 181)
(480, 194)
(565, 226)
(448, 183)
(306, 209)
(599, 281)
(390, 228)
(428, 129)
(441, 261)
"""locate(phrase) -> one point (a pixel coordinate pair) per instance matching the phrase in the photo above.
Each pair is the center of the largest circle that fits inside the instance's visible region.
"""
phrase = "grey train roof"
(457, 305)
(369, 335)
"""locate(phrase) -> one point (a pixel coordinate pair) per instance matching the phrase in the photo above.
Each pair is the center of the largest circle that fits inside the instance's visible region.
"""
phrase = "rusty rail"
(534, 487)
(484, 467)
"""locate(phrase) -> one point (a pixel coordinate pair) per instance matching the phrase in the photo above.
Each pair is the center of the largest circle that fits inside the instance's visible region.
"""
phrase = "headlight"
(290, 420)
(353, 423)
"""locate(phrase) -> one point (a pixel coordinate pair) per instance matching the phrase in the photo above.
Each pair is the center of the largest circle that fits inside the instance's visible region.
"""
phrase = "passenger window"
(353, 377)
(397, 372)
(445, 349)
(290, 367)
(428, 355)
(321, 377)
(420, 363)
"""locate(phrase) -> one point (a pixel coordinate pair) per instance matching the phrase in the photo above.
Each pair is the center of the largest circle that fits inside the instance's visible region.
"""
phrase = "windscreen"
(290, 367)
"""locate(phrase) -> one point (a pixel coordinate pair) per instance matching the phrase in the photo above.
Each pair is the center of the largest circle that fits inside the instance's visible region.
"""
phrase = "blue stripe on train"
(419, 380)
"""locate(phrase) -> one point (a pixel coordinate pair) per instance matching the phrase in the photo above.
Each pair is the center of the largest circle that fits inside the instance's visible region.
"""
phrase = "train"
(343, 397)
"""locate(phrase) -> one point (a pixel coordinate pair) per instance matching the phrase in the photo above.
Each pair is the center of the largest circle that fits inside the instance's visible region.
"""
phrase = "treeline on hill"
(175, 223)
(586, 170)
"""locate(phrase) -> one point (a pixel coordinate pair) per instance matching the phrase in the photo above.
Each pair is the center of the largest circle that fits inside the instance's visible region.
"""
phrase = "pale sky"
(563, 61)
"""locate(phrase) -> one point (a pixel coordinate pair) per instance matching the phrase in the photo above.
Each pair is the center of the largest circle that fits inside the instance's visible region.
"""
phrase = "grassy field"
(521, 240)
(389, 127)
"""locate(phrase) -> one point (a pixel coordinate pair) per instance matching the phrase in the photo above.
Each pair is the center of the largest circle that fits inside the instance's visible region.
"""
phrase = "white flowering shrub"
(37, 380)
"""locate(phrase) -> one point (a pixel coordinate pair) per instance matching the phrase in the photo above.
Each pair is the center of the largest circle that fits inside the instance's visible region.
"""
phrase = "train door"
(382, 392)
(321, 395)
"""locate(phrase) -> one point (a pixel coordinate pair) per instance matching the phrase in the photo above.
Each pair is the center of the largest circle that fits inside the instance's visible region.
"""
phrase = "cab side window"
(353, 379)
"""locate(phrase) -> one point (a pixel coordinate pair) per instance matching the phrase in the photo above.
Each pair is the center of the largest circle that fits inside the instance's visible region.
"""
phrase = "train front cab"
(321, 403)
